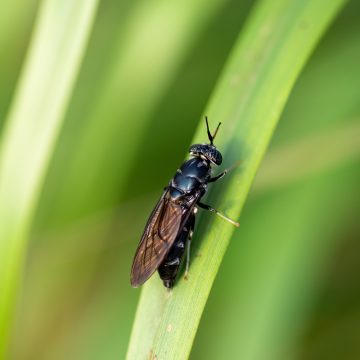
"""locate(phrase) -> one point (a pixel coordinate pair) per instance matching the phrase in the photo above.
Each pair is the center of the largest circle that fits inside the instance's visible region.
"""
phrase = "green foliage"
(31, 130)
(249, 98)
(287, 285)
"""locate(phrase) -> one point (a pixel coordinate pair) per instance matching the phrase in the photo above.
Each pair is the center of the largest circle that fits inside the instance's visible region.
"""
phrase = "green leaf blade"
(31, 131)
(249, 99)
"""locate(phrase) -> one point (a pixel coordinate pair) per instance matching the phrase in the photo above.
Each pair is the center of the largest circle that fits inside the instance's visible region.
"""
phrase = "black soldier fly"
(172, 221)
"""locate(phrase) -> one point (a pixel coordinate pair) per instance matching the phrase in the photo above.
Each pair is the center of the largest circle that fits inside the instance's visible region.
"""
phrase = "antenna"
(208, 131)
(211, 138)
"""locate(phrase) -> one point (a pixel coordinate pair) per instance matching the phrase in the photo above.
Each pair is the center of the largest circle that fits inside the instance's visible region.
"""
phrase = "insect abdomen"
(170, 266)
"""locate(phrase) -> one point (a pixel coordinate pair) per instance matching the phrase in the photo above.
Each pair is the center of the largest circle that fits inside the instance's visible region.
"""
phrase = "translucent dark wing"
(159, 235)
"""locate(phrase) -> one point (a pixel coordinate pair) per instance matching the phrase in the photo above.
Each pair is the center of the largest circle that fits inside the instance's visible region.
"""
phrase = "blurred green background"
(288, 287)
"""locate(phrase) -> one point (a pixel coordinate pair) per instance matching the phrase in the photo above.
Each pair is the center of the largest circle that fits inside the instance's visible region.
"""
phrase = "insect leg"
(218, 177)
(187, 260)
(207, 207)
(224, 173)
(191, 232)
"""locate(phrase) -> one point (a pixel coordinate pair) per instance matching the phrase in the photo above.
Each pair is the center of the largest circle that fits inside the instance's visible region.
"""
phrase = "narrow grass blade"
(248, 100)
(50, 71)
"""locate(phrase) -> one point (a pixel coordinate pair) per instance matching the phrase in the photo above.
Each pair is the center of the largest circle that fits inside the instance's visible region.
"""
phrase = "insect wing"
(159, 235)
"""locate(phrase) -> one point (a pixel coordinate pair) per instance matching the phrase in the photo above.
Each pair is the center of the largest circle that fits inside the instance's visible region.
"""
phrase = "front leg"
(224, 173)
(216, 178)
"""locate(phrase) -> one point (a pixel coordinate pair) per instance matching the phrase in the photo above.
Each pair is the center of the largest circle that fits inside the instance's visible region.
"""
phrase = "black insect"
(173, 219)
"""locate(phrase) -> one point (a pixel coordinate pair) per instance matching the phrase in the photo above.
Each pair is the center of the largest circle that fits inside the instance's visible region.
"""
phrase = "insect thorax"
(191, 176)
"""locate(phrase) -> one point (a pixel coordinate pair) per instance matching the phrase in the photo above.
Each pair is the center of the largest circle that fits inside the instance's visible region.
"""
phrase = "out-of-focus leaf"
(15, 31)
(273, 270)
(154, 39)
(31, 130)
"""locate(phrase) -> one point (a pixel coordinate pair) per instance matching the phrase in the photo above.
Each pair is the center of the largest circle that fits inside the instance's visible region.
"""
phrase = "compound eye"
(214, 156)
(218, 158)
